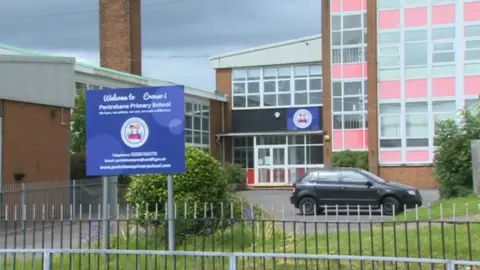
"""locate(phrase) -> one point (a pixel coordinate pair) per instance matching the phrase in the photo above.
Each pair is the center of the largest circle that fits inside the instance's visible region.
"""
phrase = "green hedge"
(350, 159)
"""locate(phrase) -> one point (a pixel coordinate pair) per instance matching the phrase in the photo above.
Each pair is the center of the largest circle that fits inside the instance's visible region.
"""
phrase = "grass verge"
(446, 209)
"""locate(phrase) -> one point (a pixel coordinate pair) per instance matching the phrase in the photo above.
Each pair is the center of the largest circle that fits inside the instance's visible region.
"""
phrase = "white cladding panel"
(304, 50)
(39, 80)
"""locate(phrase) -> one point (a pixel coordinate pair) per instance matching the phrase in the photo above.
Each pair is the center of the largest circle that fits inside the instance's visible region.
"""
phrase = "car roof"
(334, 169)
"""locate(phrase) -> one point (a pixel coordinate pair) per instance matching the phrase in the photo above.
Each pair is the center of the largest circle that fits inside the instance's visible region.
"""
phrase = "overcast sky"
(178, 35)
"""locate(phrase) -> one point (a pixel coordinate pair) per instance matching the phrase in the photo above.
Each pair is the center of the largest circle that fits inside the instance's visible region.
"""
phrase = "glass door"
(271, 165)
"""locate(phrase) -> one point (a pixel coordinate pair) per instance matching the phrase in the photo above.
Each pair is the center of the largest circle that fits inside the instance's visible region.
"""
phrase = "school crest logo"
(134, 132)
(302, 118)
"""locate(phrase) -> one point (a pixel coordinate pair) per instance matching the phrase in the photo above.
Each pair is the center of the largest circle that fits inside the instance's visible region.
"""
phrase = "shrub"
(453, 161)
(236, 174)
(350, 159)
(203, 181)
(201, 191)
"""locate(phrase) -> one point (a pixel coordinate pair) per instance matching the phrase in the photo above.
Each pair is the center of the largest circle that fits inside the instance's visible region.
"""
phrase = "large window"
(303, 150)
(243, 152)
(443, 110)
(472, 43)
(197, 125)
(416, 122)
(416, 54)
(349, 38)
(389, 122)
(282, 86)
(389, 55)
(349, 105)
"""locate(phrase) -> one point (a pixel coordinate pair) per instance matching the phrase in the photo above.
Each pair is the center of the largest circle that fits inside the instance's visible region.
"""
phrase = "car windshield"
(375, 177)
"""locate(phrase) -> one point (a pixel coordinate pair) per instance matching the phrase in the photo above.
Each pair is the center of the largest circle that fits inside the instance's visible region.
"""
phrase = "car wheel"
(307, 206)
(389, 204)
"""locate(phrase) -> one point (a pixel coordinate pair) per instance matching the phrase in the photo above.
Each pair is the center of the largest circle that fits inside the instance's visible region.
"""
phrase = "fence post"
(24, 205)
(233, 262)
(47, 260)
(451, 265)
(74, 198)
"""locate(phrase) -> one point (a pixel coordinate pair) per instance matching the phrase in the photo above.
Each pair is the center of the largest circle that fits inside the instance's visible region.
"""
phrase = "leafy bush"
(203, 181)
(236, 174)
(453, 161)
(350, 159)
(201, 192)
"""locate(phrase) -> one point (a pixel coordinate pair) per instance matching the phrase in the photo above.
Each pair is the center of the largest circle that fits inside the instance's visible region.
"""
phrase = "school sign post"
(136, 131)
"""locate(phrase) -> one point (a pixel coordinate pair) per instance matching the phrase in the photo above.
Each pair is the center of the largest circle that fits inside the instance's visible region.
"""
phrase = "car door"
(328, 187)
(356, 191)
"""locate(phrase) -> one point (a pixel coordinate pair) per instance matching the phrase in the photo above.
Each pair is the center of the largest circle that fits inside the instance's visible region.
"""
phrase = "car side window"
(329, 177)
(353, 177)
(310, 177)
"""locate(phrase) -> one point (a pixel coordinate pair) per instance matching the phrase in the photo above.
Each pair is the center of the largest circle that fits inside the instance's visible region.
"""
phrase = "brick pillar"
(372, 87)
(327, 83)
(120, 35)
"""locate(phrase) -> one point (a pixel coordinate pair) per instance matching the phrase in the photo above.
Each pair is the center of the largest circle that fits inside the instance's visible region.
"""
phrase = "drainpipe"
(222, 142)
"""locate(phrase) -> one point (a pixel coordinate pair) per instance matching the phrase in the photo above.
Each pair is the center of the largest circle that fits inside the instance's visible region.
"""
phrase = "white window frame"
(380, 123)
(201, 112)
(427, 133)
(340, 51)
(451, 114)
(343, 114)
(425, 41)
(244, 148)
(447, 40)
(291, 81)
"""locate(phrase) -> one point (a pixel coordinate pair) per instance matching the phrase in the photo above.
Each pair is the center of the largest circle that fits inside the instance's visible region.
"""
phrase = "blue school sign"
(135, 131)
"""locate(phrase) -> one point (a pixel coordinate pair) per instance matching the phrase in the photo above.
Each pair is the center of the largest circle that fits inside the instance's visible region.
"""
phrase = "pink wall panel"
(443, 87)
(471, 12)
(418, 156)
(352, 5)
(389, 19)
(416, 88)
(471, 85)
(366, 139)
(354, 70)
(336, 71)
(335, 5)
(337, 142)
(443, 14)
(415, 17)
(390, 156)
(354, 139)
(389, 90)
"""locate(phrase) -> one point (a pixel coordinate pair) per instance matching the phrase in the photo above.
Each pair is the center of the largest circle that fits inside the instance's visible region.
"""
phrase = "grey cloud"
(166, 24)
(170, 28)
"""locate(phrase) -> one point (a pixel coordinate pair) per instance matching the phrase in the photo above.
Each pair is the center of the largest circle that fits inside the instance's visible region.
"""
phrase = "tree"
(78, 124)
(453, 160)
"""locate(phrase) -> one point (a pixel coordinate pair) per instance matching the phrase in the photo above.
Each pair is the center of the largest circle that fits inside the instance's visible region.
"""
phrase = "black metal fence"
(248, 228)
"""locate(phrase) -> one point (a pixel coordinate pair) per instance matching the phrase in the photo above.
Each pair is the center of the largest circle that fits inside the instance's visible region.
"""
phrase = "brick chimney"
(121, 35)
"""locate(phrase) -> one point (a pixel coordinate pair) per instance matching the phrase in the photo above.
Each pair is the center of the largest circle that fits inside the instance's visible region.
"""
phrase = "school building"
(377, 79)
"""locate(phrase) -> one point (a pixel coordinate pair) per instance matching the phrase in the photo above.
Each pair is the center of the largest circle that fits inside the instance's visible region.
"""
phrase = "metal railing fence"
(420, 233)
(55, 195)
(59, 259)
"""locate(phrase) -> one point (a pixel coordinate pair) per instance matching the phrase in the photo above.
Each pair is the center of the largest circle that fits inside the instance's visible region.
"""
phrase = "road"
(73, 234)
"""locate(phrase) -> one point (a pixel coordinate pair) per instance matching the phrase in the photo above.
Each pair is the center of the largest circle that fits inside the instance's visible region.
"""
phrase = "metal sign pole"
(171, 214)
(105, 231)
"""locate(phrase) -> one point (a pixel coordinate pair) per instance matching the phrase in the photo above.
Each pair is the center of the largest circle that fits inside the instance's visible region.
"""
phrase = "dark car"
(352, 187)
